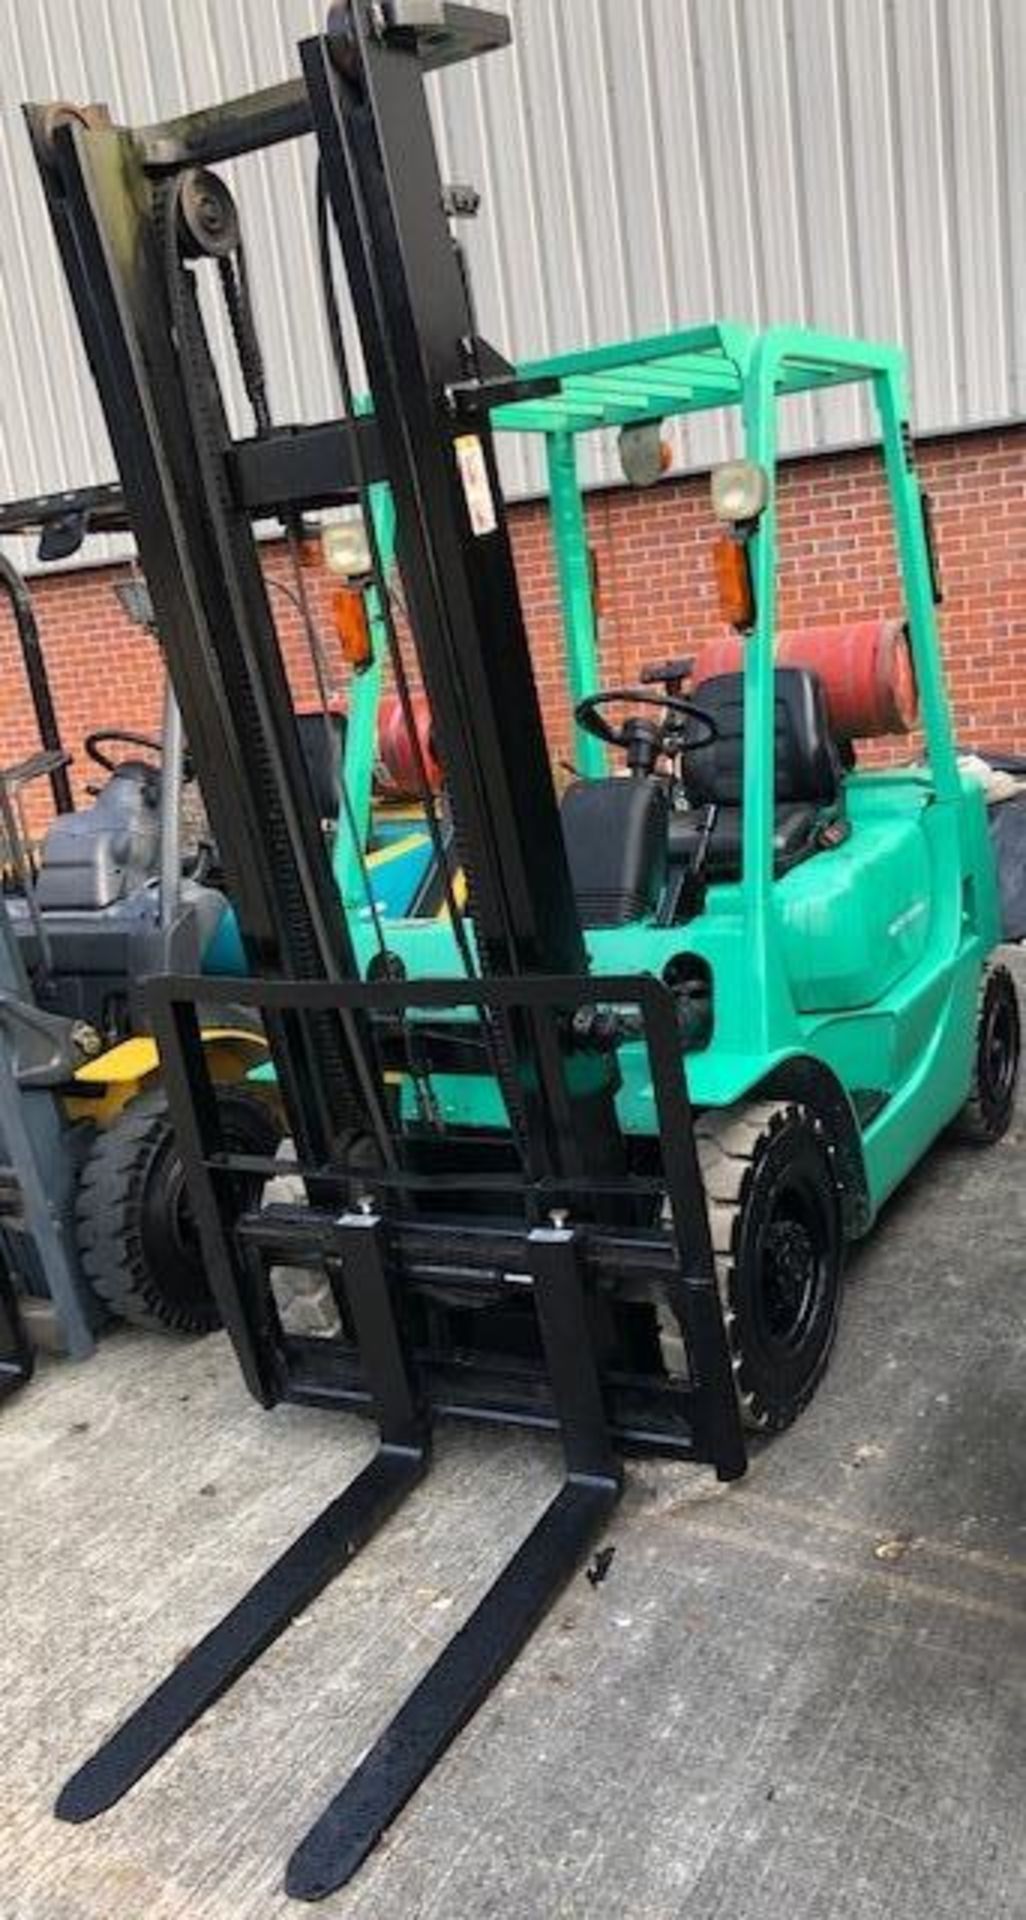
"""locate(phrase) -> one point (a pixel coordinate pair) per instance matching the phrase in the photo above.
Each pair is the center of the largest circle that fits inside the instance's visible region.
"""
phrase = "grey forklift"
(108, 896)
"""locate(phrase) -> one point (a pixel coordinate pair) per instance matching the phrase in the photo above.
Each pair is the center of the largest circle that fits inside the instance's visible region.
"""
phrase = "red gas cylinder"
(399, 774)
(866, 670)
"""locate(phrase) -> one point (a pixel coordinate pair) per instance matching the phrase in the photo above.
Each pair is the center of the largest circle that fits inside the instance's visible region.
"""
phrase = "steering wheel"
(117, 737)
(636, 732)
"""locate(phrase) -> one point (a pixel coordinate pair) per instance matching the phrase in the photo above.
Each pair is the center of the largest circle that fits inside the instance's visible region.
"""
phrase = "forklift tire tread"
(987, 1114)
(769, 1172)
(136, 1238)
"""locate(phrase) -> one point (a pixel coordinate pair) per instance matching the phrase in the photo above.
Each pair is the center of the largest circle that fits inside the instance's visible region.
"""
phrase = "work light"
(739, 491)
(644, 454)
(345, 549)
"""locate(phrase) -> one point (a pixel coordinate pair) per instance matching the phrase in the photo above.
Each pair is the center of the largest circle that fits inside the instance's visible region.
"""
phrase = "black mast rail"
(117, 227)
(410, 297)
(523, 1275)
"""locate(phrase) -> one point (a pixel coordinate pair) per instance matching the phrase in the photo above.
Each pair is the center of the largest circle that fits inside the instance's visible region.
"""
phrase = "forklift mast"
(433, 381)
(522, 1273)
(193, 496)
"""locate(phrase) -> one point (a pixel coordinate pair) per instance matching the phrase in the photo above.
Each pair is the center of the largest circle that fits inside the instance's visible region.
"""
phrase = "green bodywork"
(866, 958)
(362, 726)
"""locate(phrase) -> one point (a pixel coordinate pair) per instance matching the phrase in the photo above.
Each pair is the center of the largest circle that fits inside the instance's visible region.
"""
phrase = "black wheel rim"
(999, 1048)
(795, 1252)
(178, 1224)
(168, 1226)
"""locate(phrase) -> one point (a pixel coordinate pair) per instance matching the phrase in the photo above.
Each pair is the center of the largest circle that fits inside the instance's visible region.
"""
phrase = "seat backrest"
(104, 853)
(807, 765)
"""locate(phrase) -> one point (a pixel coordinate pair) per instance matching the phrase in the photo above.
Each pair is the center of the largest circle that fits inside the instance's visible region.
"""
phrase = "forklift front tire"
(775, 1218)
(137, 1239)
(987, 1113)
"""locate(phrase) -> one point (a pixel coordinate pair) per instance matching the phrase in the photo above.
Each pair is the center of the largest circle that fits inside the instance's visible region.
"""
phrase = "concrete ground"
(802, 1698)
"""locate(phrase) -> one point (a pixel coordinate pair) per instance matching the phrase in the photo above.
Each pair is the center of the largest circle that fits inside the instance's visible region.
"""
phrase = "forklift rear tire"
(775, 1218)
(987, 1113)
(136, 1235)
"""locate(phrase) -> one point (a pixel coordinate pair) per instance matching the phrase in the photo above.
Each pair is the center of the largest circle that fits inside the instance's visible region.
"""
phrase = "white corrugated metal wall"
(851, 164)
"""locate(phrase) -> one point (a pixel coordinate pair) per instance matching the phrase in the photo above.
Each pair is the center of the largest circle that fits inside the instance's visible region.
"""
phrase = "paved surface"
(803, 1698)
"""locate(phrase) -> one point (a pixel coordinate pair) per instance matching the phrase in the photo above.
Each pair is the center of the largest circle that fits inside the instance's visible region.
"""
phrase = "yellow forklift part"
(135, 1059)
(126, 1069)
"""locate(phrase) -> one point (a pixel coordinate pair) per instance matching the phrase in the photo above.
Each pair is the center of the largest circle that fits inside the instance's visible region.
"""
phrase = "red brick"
(837, 561)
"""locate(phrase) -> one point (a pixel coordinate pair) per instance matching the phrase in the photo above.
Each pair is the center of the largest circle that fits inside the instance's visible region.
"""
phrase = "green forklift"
(827, 930)
(581, 1152)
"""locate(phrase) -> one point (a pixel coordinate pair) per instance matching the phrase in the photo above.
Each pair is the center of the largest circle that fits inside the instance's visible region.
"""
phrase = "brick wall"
(836, 563)
(653, 552)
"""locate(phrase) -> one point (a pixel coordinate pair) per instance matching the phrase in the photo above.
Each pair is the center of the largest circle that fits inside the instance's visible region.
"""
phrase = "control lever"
(688, 897)
(698, 865)
(670, 674)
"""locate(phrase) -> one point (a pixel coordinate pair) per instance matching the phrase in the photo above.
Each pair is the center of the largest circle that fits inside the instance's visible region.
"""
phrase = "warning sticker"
(477, 489)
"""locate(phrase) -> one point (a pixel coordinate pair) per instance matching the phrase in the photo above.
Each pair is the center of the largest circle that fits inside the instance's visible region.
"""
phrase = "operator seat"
(807, 773)
(92, 859)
